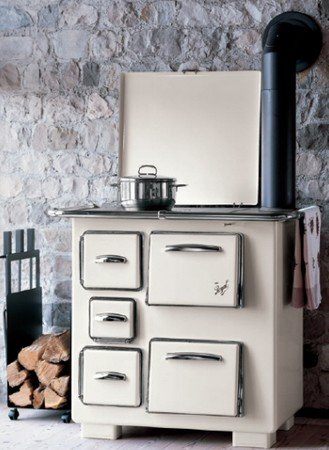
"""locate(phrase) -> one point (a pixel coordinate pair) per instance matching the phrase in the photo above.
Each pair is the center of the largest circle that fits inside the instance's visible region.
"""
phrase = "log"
(58, 348)
(29, 356)
(60, 385)
(24, 396)
(53, 400)
(16, 375)
(38, 397)
(46, 371)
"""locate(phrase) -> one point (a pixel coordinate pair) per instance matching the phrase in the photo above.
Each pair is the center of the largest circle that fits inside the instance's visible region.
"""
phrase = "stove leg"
(100, 431)
(288, 424)
(259, 440)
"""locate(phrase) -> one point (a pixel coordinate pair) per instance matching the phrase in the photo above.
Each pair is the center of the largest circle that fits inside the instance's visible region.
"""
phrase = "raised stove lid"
(201, 128)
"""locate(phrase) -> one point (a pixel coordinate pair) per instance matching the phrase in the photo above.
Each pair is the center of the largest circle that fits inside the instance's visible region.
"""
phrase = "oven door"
(196, 269)
(195, 377)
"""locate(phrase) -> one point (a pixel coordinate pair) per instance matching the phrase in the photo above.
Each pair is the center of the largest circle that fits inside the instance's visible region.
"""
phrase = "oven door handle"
(193, 248)
(104, 259)
(111, 317)
(187, 356)
(115, 376)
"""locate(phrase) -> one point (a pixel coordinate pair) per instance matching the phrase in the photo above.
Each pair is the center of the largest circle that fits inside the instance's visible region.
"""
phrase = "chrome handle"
(178, 185)
(116, 376)
(111, 317)
(194, 356)
(110, 259)
(193, 248)
(143, 174)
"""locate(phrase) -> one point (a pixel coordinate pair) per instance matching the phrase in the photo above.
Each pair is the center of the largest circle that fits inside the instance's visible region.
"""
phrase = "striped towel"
(307, 288)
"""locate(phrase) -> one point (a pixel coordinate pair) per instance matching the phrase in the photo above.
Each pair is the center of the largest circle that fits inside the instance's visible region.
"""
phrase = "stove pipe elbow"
(291, 43)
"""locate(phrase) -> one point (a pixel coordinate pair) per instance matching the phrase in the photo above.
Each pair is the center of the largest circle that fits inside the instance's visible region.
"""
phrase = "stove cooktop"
(178, 212)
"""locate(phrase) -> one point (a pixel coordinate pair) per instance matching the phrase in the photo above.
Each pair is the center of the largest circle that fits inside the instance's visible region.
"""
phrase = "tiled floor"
(44, 430)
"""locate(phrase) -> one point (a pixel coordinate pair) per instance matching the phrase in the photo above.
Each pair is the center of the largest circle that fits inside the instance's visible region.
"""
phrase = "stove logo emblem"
(221, 289)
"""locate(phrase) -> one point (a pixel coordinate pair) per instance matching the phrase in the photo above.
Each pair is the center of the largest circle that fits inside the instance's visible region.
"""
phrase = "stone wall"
(59, 85)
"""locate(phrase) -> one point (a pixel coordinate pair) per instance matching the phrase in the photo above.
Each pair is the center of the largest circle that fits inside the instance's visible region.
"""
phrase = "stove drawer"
(111, 260)
(112, 319)
(110, 376)
(195, 377)
(200, 269)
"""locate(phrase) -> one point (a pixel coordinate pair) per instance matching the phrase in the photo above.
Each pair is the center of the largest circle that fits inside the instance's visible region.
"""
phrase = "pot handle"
(179, 185)
(144, 174)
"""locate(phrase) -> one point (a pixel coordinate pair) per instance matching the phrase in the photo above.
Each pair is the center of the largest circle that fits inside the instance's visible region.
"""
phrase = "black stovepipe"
(291, 43)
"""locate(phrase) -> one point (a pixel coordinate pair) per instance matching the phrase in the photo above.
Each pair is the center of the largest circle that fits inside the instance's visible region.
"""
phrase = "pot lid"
(203, 128)
(148, 172)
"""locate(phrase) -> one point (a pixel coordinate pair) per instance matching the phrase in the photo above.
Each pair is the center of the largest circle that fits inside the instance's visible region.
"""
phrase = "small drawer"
(112, 319)
(195, 269)
(111, 260)
(195, 377)
(110, 376)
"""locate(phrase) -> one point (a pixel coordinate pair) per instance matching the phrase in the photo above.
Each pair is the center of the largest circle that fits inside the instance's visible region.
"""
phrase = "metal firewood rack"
(22, 314)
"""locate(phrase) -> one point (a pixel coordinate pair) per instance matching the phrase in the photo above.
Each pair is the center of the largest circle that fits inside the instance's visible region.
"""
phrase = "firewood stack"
(42, 373)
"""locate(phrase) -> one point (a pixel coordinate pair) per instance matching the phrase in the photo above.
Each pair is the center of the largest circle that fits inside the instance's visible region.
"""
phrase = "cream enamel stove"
(182, 318)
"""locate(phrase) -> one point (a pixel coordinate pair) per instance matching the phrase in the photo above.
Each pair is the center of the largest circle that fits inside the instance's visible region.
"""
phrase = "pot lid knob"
(148, 173)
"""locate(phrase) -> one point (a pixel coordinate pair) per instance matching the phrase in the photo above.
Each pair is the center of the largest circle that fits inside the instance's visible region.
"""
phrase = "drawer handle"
(111, 317)
(193, 248)
(194, 356)
(116, 376)
(110, 259)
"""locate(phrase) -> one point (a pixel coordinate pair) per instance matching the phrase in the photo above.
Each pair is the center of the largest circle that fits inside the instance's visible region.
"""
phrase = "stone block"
(167, 43)
(9, 139)
(97, 107)
(51, 187)
(11, 185)
(12, 18)
(309, 164)
(63, 290)
(324, 357)
(50, 76)
(95, 164)
(57, 315)
(76, 187)
(78, 14)
(65, 163)
(32, 188)
(18, 213)
(48, 16)
(9, 77)
(33, 162)
(56, 239)
(15, 47)
(315, 325)
(63, 108)
(105, 45)
(324, 383)
(193, 14)
(70, 75)
(91, 73)
(39, 137)
(165, 13)
(23, 109)
(71, 44)
(31, 76)
(314, 136)
(120, 13)
(63, 266)
(60, 138)
(101, 136)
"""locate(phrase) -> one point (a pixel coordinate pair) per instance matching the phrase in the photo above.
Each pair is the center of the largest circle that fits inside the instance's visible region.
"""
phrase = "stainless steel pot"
(148, 192)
